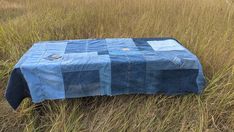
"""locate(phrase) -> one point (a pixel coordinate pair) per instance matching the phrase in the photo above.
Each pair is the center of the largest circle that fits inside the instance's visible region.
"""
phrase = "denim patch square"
(97, 45)
(136, 81)
(172, 81)
(76, 47)
(81, 83)
(119, 73)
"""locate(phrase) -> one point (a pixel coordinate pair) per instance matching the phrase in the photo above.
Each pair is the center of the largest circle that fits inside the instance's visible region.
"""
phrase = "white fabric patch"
(165, 45)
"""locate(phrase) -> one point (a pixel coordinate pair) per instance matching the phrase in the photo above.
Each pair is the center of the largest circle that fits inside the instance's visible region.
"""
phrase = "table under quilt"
(112, 66)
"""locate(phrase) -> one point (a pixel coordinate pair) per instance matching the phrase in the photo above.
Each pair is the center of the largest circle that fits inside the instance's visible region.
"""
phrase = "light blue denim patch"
(44, 75)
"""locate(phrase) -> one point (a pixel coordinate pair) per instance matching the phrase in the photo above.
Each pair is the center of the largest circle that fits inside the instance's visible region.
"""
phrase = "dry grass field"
(206, 27)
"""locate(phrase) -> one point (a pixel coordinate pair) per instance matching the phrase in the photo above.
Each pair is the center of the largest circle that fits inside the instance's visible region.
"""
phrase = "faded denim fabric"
(91, 67)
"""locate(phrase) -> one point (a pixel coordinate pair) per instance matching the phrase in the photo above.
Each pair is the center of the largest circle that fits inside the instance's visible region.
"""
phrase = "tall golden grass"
(206, 27)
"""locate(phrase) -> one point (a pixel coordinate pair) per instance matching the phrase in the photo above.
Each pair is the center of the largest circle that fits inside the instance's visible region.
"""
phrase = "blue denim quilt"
(90, 67)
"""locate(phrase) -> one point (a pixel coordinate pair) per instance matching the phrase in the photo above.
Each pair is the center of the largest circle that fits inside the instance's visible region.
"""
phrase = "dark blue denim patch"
(81, 83)
(127, 73)
(142, 45)
(137, 63)
(17, 88)
(119, 73)
(172, 81)
(103, 52)
(136, 81)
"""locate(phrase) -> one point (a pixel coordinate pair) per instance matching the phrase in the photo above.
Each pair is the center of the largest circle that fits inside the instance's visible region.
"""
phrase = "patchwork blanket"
(90, 67)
